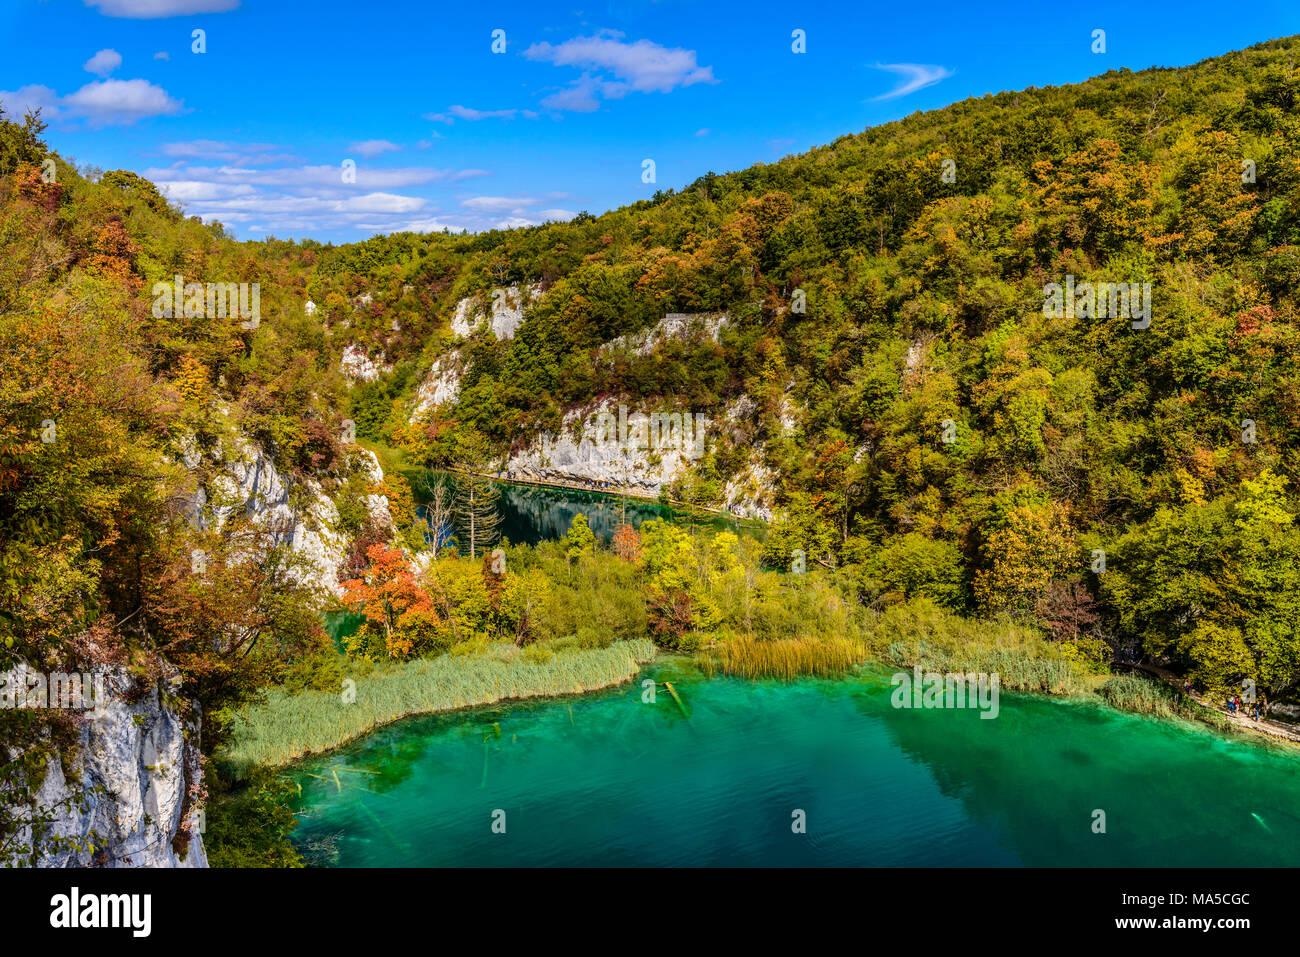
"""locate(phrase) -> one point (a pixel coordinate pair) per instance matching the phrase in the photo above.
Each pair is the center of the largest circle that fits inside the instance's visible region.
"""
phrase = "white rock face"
(675, 325)
(504, 311)
(442, 384)
(751, 493)
(249, 482)
(788, 414)
(614, 446)
(135, 762)
(359, 366)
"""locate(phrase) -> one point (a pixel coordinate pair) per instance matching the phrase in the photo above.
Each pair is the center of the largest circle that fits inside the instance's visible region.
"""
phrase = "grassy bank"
(922, 634)
(916, 633)
(286, 727)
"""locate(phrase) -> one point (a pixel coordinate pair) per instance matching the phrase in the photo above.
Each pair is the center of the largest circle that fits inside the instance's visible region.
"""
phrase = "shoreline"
(614, 493)
(1238, 726)
(488, 678)
(1239, 721)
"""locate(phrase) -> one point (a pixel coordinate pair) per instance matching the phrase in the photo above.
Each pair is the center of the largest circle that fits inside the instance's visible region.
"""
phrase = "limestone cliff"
(128, 797)
(244, 478)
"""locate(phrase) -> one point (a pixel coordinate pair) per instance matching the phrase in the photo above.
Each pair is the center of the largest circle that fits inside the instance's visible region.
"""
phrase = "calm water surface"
(606, 779)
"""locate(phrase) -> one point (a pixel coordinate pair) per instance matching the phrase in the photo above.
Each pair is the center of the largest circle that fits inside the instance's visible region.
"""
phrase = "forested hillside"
(1128, 487)
(1132, 485)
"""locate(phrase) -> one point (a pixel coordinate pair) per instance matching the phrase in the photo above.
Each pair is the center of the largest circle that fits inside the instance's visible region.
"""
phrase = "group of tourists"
(1249, 709)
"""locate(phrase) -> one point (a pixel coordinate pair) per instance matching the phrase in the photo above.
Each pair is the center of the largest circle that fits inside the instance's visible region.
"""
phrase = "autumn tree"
(397, 609)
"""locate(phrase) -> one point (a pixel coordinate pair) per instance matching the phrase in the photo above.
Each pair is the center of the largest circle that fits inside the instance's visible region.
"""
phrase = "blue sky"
(446, 133)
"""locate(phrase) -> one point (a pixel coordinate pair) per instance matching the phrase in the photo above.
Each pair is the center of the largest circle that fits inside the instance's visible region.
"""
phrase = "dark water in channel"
(534, 513)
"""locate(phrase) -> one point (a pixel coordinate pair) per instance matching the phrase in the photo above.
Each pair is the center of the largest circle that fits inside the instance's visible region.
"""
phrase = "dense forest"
(1124, 489)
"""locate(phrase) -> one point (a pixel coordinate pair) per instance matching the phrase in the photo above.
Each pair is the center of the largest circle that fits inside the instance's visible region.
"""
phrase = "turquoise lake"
(608, 780)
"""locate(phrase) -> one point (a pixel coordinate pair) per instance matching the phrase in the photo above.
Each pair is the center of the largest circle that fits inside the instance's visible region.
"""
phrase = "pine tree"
(476, 513)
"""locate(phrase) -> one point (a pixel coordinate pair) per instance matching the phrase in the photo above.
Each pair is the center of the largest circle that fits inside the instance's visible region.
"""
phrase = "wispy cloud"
(369, 148)
(233, 154)
(242, 190)
(157, 9)
(914, 76)
(517, 210)
(459, 112)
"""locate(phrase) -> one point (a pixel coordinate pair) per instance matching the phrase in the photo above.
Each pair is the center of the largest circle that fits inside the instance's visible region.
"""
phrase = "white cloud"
(703, 131)
(162, 55)
(915, 76)
(104, 62)
(426, 226)
(101, 102)
(459, 112)
(381, 203)
(497, 204)
(155, 9)
(305, 200)
(369, 148)
(307, 177)
(612, 68)
(517, 210)
(582, 97)
(234, 154)
(29, 99)
(188, 191)
(120, 102)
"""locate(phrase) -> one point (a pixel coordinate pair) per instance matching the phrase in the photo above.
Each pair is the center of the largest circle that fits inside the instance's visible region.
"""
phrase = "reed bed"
(286, 727)
(783, 658)
(1143, 696)
(938, 641)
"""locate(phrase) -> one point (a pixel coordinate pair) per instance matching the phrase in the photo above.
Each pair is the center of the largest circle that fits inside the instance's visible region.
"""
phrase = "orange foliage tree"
(395, 606)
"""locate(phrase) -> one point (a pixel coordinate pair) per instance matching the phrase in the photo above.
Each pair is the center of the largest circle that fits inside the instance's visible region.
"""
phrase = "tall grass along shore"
(286, 727)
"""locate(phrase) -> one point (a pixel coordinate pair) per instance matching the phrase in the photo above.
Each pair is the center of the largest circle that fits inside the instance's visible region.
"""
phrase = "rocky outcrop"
(441, 385)
(751, 493)
(674, 325)
(357, 365)
(244, 479)
(638, 450)
(503, 311)
(128, 797)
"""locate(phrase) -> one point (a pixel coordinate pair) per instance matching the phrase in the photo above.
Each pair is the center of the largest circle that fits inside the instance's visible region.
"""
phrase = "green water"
(341, 624)
(606, 779)
(535, 513)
